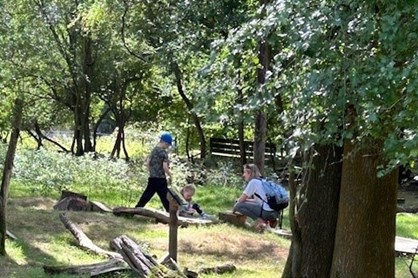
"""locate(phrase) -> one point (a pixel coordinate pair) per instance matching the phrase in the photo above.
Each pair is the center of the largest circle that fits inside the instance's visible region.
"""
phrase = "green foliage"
(50, 172)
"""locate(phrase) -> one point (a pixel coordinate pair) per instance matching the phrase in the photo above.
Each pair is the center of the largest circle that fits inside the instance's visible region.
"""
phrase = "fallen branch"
(218, 269)
(92, 269)
(10, 235)
(412, 263)
(83, 240)
(160, 216)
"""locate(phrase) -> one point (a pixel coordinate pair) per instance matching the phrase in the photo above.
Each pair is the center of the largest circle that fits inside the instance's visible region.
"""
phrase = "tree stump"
(236, 219)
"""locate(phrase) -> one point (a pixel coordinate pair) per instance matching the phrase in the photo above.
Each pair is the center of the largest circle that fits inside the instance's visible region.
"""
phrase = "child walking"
(159, 171)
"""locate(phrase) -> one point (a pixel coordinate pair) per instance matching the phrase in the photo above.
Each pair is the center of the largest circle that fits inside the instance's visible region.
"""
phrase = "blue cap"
(167, 138)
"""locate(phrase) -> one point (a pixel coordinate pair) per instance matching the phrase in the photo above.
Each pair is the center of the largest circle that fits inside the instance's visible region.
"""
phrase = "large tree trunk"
(7, 172)
(316, 216)
(365, 235)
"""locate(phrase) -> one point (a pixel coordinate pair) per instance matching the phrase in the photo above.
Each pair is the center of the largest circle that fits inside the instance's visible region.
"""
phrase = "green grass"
(406, 225)
(43, 240)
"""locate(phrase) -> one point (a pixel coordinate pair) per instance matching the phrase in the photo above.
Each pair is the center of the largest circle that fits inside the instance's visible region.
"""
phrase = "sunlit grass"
(43, 240)
(406, 225)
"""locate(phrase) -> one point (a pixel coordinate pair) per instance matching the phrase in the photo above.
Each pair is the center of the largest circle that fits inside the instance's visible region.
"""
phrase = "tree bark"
(260, 133)
(293, 258)
(7, 172)
(365, 232)
(318, 213)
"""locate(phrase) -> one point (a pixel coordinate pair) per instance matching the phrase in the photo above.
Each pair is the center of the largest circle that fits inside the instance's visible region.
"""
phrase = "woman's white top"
(255, 186)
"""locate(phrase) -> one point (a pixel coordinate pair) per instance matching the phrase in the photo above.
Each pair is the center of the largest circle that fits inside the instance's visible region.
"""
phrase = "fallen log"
(235, 219)
(91, 270)
(160, 216)
(218, 269)
(83, 240)
(143, 264)
(98, 206)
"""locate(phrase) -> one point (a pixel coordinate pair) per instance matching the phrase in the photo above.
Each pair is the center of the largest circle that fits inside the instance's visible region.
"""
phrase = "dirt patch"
(36, 203)
(234, 246)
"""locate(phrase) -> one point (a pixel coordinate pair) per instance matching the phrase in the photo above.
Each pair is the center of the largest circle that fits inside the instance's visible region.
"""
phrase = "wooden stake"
(173, 226)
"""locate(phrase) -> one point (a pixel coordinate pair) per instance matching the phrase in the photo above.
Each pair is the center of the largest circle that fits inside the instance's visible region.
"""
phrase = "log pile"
(143, 264)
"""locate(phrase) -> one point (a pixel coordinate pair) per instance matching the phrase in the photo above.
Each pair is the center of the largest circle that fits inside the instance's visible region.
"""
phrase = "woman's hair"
(189, 187)
(254, 171)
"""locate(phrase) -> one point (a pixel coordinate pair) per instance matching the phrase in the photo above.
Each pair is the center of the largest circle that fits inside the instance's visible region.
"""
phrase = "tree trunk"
(260, 117)
(318, 213)
(293, 259)
(88, 74)
(7, 172)
(365, 235)
(78, 135)
(240, 102)
(260, 140)
(189, 105)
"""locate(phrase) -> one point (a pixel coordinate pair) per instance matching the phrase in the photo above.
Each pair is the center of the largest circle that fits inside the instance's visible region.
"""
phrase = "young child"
(159, 172)
(190, 208)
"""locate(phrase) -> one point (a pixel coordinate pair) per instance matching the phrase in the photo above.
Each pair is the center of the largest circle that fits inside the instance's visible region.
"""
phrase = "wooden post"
(173, 226)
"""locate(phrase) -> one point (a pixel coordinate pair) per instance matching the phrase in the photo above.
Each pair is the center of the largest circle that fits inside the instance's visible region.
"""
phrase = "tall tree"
(7, 171)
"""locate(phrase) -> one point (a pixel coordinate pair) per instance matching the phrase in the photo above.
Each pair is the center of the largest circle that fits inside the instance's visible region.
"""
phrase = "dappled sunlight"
(16, 252)
(231, 244)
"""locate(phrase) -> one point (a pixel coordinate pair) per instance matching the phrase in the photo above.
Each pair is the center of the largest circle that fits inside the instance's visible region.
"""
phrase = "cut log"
(236, 219)
(72, 203)
(143, 264)
(218, 269)
(83, 240)
(66, 193)
(160, 216)
(91, 270)
(100, 207)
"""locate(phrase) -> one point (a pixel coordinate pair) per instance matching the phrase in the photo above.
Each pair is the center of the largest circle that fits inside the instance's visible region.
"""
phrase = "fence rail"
(231, 148)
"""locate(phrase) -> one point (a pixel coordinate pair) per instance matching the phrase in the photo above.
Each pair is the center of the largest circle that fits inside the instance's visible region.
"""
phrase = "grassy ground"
(43, 240)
